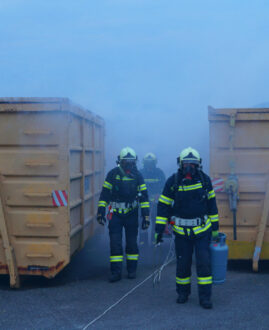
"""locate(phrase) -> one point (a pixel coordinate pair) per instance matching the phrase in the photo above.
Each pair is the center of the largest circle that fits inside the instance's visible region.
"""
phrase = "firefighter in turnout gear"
(153, 176)
(155, 180)
(123, 191)
(188, 202)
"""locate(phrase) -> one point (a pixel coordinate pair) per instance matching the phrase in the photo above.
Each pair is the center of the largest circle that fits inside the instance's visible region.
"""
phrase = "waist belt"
(180, 222)
(123, 205)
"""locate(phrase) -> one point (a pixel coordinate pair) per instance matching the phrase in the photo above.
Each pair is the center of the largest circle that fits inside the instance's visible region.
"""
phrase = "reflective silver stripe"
(116, 258)
(166, 200)
(144, 204)
(201, 229)
(107, 185)
(102, 203)
(178, 230)
(151, 180)
(161, 220)
(132, 256)
(143, 187)
(214, 218)
(180, 222)
(191, 187)
(204, 280)
(182, 281)
(123, 205)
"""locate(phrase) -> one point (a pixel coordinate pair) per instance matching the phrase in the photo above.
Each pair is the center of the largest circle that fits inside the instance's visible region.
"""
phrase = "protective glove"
(158, 238)
(101, 215)
(215, 235)
(145, 222)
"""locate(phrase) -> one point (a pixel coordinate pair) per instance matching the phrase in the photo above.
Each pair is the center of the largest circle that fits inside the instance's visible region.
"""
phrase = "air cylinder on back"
(219, 258)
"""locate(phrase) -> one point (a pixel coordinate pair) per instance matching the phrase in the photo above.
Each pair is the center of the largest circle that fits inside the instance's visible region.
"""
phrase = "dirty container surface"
(219, 259)
(52, 170)
(239, 147)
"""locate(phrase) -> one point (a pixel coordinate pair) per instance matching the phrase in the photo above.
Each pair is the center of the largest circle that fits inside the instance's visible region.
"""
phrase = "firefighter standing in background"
(188, 200)
(155, 180)
(153, 176)
(123, 190)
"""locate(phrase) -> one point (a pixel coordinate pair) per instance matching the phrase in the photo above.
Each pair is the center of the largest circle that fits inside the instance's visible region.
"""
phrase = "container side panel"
(30, 129)
(34, 163)
(246, 146)
(86, 172)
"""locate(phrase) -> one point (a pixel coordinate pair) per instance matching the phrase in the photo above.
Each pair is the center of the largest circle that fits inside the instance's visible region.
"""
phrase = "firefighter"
(123, 191)
(188, 202)
(153, 176)
(155, 180)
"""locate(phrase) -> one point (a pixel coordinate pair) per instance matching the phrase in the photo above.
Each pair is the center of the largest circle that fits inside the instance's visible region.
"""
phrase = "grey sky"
(150, 68)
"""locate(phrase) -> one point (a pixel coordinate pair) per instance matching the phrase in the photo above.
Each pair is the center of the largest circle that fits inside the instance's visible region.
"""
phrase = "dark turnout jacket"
(188, 199)
(120, 187)
(154, 179)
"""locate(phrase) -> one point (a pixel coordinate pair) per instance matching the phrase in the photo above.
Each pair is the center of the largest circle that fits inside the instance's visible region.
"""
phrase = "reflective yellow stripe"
(200, 229)
(116, 258)
(183, 281)
(214, 218)
(191, 187)
(211, 194)
(151, 180)
(204, 280)
(132, 256)
(161, 220)
(142, 187)
(178, 230)
(102, 203)
(165, 200)
(125, 178)
(144, 205)
(107, 185)
(123, 210)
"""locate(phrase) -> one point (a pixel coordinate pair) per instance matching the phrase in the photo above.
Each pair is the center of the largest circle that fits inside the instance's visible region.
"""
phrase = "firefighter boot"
(114, 277)
(206, 303)
(205, 296)
(182, 298)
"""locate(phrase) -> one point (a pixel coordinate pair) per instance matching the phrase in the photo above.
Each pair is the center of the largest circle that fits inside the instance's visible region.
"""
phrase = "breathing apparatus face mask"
(189, 169)
(149, 164)
(128, 165)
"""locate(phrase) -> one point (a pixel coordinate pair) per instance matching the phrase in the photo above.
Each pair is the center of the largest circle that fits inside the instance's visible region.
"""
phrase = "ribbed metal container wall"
(245, 145)
(52, 162)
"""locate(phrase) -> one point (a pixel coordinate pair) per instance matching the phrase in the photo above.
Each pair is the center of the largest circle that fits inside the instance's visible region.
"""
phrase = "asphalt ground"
(81, 292)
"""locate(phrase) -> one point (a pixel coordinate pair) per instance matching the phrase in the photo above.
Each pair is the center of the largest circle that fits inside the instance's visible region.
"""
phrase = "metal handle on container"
(39, 255)
(37, 194)
(38, 132)
(39, 225)
(38, 164)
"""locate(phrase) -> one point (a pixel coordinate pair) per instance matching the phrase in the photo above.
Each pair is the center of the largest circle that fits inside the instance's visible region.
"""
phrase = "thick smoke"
(149, 68)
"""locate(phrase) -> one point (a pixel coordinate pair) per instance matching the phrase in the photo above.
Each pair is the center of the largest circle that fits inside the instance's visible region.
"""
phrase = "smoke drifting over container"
(149, 68)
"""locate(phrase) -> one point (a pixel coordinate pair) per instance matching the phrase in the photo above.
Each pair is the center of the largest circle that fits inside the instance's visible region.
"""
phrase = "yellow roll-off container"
(239, 164)
(51, 174)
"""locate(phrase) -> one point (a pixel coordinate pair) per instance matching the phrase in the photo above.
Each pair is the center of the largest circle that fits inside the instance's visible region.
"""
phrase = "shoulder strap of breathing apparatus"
(120, 172)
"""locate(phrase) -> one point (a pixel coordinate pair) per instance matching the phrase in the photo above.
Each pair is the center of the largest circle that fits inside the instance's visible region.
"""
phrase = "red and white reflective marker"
(59, 198)
(218, 184)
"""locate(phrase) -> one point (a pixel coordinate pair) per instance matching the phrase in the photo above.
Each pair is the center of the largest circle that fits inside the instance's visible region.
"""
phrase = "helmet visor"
(190, 161)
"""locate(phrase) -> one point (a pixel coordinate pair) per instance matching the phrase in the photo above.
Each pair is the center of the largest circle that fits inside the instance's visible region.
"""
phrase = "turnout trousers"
(116, 225)
(184, 246)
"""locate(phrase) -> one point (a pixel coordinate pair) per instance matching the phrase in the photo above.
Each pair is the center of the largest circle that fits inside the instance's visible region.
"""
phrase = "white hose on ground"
(156, 279)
